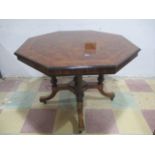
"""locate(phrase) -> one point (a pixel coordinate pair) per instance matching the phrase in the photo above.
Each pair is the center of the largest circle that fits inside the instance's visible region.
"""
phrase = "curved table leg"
(45, 98)
(80, 116)
(79, 96)
(53, 93)
(110, 95)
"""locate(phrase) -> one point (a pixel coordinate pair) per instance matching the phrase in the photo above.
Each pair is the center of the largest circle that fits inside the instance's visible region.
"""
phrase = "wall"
(14, 32)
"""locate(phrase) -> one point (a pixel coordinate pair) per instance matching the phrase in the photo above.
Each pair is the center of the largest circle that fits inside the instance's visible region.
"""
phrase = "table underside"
(77, 86)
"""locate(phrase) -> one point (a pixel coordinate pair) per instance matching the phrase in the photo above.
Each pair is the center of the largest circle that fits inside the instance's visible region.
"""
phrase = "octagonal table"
(77, 53)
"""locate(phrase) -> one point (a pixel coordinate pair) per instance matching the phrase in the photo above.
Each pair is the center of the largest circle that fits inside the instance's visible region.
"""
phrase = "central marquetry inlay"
(89, 48)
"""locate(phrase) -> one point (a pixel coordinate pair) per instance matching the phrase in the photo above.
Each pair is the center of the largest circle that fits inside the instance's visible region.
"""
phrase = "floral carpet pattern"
(131, 112)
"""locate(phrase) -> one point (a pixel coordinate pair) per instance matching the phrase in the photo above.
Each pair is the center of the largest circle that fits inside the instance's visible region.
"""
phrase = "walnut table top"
(77, 52)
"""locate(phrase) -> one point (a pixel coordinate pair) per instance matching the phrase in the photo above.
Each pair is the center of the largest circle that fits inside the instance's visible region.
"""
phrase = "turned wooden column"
(100, 86)
(100, 79)
(53, 93)
(54, 81)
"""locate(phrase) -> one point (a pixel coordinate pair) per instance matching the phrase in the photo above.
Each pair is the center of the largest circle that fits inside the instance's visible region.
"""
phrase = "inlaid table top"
(77, 52)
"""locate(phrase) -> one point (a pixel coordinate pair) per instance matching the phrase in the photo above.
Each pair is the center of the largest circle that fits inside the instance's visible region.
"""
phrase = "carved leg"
(79, 98)
(110, 95)
(53, 93)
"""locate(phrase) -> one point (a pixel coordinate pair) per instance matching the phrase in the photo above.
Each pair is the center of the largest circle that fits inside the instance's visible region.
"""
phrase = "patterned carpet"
(131, 112)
